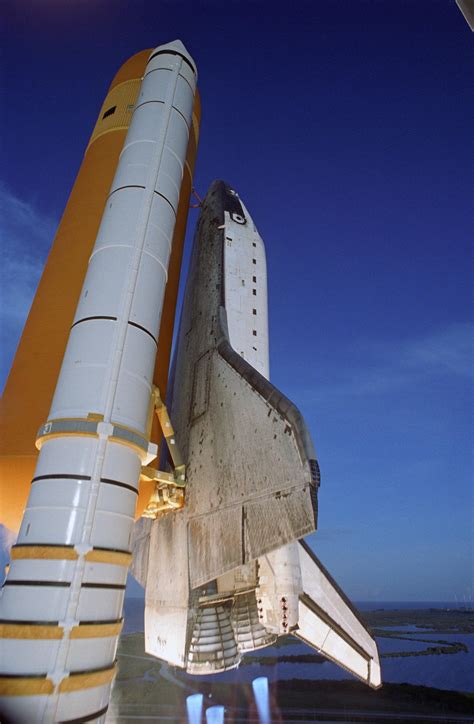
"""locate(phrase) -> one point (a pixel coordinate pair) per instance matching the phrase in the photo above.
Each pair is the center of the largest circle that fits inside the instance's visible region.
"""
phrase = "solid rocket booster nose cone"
(176, 47)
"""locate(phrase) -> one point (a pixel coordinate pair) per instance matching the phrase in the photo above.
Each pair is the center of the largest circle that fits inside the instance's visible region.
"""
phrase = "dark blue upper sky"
(345, 127)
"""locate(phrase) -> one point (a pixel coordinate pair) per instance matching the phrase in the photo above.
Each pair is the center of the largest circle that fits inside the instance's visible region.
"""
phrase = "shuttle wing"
(329, 623)
(253, 475)
(251, 470)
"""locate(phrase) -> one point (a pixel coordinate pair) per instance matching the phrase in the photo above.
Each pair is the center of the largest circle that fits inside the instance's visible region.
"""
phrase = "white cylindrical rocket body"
(61, 605)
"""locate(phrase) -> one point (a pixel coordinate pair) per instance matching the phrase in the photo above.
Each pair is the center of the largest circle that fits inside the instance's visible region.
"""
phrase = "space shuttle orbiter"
(220, 548)
(226, 570)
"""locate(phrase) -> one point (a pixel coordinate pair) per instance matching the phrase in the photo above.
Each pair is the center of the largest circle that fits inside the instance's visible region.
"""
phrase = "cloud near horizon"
(381, 367)
(25, 238)
(447, 350)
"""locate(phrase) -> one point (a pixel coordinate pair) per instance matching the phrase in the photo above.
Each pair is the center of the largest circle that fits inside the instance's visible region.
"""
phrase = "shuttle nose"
(176, 47)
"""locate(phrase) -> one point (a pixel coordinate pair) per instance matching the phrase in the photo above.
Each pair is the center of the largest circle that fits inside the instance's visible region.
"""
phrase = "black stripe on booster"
(51, 584)
(167, 201)
(143, 329)
(42, 545)
(22, 622)
(88, 717)
(60, 476)
(110, 586)
(108, 481)
(90, 319)
(67, 476)
(104, 622)
(111, 550)
(114, 319)
(173, 52)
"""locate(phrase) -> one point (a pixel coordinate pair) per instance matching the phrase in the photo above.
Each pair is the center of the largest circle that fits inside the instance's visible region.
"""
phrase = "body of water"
(446, 671)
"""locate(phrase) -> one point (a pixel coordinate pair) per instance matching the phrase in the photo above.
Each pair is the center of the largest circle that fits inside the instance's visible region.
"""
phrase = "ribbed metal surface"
(248, 631)
(213, 646)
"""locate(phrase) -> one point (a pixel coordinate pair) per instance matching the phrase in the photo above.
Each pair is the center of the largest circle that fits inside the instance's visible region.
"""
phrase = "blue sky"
(345, 127)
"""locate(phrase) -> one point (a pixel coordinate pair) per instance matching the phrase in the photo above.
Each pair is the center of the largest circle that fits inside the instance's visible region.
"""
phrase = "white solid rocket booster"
(63, 598)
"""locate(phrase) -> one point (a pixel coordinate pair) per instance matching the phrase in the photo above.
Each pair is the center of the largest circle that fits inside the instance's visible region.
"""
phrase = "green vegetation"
(353, 696)
(438, 620)
(450, 648)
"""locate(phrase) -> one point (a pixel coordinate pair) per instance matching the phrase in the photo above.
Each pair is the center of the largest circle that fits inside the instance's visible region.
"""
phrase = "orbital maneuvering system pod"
(219, 547)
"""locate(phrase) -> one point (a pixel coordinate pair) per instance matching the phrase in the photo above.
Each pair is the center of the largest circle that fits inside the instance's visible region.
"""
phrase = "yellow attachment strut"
(168, 494)
(167, 428)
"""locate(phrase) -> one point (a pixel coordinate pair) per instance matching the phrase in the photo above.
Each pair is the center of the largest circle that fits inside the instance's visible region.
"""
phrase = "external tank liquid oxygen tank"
(61, 606)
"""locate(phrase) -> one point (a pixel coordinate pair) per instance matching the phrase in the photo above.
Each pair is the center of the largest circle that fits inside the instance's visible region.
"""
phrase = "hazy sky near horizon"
(345, 127)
